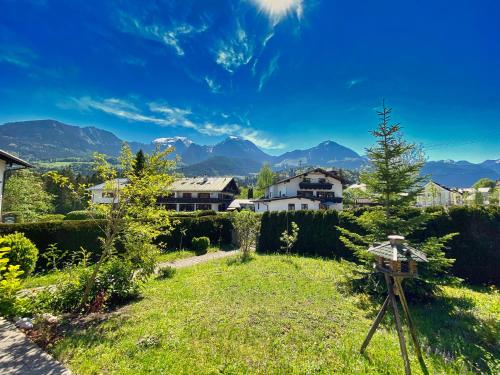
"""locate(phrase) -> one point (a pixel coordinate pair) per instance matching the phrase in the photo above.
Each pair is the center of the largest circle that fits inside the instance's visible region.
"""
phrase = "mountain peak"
(171, 140)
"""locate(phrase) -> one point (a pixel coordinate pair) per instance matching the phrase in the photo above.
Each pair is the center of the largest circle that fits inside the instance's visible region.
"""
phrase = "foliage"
(275, 317)
(22, 252)
(85, 215)
(350, 196)
(134, 219)
(24, 193)
(289, 238)
(264, 179)
(166, 272)
(140, 163)
(51, 217)
(10, 281)
(200, 245)
(54, 257)
(484, 182)
(247, 226)
(64, 201)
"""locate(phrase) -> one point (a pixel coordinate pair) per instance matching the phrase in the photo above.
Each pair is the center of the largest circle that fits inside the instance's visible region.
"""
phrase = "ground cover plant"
(277, 314)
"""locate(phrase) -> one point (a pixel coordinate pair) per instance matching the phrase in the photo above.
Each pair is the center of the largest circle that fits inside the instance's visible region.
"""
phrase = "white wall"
(99, 199)
(2, 172)
(289, 189)
(282, 204)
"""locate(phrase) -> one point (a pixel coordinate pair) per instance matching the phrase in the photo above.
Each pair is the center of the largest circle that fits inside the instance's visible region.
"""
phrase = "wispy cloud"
(354, 82)
(213, 85)
(235, 51)
(168, 35)
(169, 116)
(17, 55)
(273, 66)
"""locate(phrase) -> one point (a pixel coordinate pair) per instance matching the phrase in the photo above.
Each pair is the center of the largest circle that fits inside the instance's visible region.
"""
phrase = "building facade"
(107, 192)
(434, 194)
(201, 193)
(312, 190)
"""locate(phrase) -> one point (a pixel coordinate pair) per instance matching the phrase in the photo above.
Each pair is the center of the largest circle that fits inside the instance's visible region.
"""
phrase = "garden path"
(187, 262)
(18, 355)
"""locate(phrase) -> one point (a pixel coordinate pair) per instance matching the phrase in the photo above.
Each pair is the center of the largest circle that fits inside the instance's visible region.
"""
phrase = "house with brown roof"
(312, 190)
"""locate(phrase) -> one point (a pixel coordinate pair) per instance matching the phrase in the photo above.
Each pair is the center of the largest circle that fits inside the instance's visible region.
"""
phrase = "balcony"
(167, 200)
(315, 185)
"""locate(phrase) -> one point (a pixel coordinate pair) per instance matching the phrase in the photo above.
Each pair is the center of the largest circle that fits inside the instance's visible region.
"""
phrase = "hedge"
(317, 233)
(476, 249)
(70, 235)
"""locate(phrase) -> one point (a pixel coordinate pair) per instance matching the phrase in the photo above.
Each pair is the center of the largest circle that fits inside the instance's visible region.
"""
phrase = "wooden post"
(411, 325)
(375, 324)
(399, 328)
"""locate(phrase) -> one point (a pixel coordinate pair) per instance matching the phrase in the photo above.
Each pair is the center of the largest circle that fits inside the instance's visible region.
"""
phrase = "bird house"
(397, 258)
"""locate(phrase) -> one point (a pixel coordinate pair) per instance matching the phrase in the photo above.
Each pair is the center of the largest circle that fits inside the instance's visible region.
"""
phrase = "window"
(204, 207)
(291, 207)
(304, 206)
(325, 194)
(204, 195)
(186, 207)
(307, 179)
(108, 194)
(171, 207)
(186, 195)
(322, 180)
(304, 193)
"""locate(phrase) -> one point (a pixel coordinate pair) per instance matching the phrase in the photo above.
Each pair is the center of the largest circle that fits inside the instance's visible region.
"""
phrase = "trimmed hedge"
(84, 215)
(70, 235)
(317, 233)
(476, 249)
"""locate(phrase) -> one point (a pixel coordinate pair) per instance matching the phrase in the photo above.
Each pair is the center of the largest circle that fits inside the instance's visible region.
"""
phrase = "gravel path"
(181, 263)
(18, 355)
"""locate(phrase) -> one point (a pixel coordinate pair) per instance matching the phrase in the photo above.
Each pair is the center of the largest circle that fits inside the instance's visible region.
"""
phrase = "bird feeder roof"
(396, 250)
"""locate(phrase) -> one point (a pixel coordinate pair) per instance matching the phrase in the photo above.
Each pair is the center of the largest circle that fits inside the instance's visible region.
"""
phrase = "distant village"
(314, 189)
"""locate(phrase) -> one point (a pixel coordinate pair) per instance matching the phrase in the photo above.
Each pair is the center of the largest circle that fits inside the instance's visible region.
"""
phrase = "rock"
(49, 318)
(24, 323)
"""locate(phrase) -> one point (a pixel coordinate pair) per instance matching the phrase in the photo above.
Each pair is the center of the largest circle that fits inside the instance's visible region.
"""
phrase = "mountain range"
(50, 140)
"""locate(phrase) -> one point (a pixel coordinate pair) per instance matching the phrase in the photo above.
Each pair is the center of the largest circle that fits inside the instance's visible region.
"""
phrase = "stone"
(24, 323)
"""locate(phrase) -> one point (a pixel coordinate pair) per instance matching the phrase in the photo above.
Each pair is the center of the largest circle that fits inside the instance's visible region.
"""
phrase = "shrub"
(166, 272)
(10, 282)
(84, 215)
(247, 225)
(51, 217)
(22, 252)
(200, 245)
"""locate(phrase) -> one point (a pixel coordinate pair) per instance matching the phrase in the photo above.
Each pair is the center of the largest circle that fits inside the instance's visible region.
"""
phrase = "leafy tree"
(484, 182)
(140, 162)
(264, 178)
(247, 226)
(289, 239)
(25, 194)
(250, 193)
(64, 201)
(394, 180)
(133, 219)
(351, 195)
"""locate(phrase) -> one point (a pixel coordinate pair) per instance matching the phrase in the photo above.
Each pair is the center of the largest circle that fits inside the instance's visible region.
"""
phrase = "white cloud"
(170, 36)
(169, 116)
(273, 65)
(235, 52)
(213, 85)
(354, 82)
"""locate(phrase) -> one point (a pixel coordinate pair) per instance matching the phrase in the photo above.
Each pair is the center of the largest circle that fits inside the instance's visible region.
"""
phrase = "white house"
(312, 190)
(200, 193)
(9, 162)
(434, 194)
(107, 192)
(241, 204)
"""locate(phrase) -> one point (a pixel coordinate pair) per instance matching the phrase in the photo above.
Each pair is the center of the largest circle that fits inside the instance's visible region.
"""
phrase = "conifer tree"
(140, 162)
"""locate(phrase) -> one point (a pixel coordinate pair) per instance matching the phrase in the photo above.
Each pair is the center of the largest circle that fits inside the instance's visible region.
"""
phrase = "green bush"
(84, 215)
(10, 281)
(22, 252)
(200, 245)
(51, 217)
(69, 236)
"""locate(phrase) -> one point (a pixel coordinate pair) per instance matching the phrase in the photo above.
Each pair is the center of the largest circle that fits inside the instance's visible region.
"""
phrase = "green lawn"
(277, 315)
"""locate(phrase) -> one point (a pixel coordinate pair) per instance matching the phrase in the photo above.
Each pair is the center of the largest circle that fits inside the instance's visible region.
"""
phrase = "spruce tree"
(140, 163)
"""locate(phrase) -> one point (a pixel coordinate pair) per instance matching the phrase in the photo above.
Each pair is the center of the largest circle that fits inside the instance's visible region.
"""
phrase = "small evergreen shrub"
(51, 217)
(84, 215)
(200, 245)
(22, 252)
(166, 272)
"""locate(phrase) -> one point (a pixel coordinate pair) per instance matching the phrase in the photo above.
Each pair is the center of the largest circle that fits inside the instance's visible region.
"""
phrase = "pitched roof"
(201, 184)
(398, 251)
(237, 203)
(9, 158)
(333, 174)
(120, 181)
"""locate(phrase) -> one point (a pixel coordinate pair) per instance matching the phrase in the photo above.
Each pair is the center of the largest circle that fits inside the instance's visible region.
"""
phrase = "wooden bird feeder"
(397, 260)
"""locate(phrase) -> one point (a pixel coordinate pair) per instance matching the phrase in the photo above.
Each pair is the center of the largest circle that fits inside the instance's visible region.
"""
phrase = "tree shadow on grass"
(239, 260)
(447, 327)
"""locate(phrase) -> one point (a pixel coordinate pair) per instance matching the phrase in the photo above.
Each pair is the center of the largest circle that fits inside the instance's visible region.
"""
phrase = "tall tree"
(393, 180)
(134, 218)
(140, 163)
(265, 178)
(484, 182)
(25, 194)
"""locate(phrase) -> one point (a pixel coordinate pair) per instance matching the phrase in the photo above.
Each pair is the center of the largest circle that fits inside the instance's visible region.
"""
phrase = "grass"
(277, 314)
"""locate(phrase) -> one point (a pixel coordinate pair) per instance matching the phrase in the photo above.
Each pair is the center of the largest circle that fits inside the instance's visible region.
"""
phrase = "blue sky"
(284, 74)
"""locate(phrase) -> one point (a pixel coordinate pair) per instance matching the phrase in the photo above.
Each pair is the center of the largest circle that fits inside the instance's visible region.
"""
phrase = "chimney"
(395, 239)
